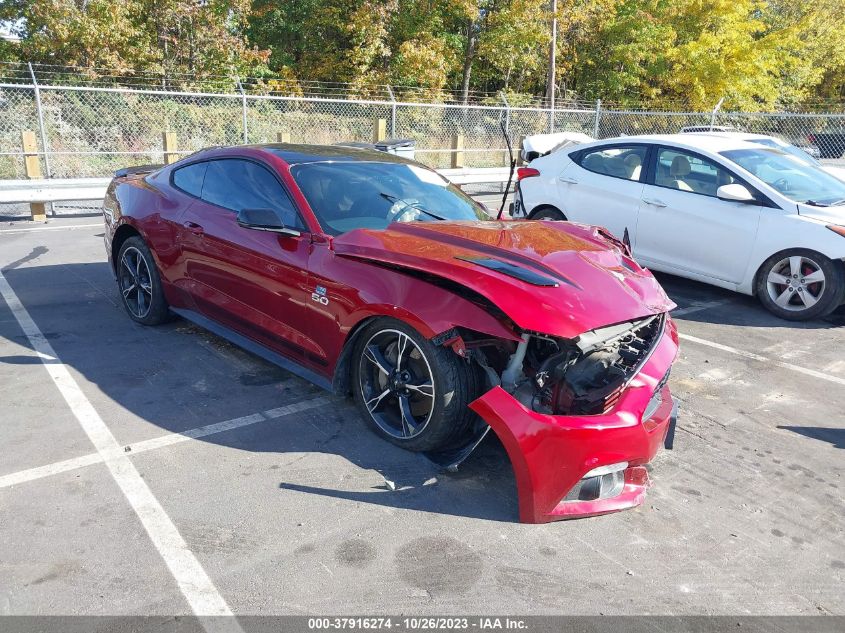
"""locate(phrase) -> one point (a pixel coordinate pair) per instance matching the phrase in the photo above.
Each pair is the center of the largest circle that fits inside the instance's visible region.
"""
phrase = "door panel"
(603, 187)
(252, 281)
(683, 228)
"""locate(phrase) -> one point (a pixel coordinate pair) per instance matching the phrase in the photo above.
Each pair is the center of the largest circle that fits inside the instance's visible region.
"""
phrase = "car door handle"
(654, 202)
(569, 179)
(194, 228)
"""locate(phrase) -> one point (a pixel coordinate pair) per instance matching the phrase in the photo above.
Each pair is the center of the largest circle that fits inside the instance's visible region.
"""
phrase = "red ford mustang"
(371, 275)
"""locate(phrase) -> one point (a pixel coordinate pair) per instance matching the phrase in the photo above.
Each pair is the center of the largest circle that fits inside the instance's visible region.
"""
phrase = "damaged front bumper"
(557, 458)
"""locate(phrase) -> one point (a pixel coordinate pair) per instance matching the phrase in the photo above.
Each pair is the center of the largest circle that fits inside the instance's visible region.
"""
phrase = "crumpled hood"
(588, 283)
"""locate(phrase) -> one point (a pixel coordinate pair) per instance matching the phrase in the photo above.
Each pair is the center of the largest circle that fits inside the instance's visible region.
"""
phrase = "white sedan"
(723, 211)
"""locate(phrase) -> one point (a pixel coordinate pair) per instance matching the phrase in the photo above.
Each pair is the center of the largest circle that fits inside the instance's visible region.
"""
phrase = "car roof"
(298, 154)
(705, 142)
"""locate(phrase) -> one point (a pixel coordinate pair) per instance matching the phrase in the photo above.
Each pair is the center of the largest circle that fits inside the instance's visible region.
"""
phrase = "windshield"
(370, 195)
(795, 178)
(785, 147)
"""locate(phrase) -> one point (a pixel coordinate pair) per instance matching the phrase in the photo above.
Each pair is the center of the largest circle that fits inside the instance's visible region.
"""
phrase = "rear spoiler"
(139, 169)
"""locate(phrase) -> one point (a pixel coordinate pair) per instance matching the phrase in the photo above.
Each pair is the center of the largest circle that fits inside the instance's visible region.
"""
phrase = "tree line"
(756, 54)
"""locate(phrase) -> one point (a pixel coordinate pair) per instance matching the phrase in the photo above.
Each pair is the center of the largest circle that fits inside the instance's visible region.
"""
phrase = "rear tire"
(410, 392)
(140, 283)
(547, 213)
(799, 284)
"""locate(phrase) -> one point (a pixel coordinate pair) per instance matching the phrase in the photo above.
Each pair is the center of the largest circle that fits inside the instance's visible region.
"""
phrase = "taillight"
(812, 138)
(526, 172)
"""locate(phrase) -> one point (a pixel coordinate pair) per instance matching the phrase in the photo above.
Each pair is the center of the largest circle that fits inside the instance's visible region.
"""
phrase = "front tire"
(140, 283)
(410, 392)
(799, 284)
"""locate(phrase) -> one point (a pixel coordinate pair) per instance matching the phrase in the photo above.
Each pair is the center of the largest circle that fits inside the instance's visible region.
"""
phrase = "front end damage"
(575, 344)
(579, 418)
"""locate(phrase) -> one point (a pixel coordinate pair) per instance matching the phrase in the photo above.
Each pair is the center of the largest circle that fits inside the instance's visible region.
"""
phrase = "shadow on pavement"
(738, 309)
(178, 376)
(835, 437)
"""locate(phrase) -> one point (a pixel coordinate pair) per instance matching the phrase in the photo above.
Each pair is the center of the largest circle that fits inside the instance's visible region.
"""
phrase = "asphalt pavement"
(162, 470)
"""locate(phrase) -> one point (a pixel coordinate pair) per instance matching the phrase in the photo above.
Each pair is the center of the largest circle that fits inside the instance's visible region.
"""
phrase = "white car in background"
(538, 145)
(719, 210)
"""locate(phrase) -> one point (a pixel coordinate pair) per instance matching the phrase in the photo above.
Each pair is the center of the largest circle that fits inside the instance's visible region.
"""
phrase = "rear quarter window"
(190, 178)
(617, 161)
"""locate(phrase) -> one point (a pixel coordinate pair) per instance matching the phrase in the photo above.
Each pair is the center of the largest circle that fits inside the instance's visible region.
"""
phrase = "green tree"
(97, 33)
(511, 51)
(134, 36)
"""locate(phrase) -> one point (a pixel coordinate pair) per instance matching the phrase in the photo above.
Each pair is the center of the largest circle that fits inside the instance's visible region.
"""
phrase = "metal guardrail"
(76, 189)
(476, 175)
(53, 190)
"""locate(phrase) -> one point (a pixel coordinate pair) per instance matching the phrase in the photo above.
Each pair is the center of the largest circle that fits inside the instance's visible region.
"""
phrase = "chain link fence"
(86, 131)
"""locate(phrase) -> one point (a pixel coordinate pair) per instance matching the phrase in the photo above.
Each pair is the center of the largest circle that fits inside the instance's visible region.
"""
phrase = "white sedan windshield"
(796, 179)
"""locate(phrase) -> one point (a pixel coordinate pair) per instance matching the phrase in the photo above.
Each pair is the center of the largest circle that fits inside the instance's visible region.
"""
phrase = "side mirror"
(263, 220)
(735, 193)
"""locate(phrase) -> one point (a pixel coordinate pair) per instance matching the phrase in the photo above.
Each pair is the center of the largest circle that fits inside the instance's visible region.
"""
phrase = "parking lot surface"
(230, 484)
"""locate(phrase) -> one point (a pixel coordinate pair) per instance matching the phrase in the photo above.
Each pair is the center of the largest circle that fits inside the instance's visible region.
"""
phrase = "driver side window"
(684, 171)
(238, 184)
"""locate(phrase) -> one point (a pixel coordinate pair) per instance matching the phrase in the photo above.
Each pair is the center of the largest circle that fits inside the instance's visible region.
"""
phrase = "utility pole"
(550, 78)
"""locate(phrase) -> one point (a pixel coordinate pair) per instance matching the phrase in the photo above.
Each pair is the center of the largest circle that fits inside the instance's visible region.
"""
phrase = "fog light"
(603, 482)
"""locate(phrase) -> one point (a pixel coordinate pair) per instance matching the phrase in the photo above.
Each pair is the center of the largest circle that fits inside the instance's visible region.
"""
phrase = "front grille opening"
(588, 376)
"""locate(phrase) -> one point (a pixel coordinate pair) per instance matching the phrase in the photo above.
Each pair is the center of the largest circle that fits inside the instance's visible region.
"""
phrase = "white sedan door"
(602, 186)
(684, 228)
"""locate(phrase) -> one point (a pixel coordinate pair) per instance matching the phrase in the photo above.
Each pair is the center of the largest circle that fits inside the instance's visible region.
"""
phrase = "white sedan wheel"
(796, 283)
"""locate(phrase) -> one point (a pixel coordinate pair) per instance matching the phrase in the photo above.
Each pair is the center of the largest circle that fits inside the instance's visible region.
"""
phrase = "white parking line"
(169, 439)
(763, 359)
(193, 581)
(52, 228)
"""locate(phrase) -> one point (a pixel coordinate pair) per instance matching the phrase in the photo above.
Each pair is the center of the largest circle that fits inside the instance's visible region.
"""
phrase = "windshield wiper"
(394, 200)
(813, 203)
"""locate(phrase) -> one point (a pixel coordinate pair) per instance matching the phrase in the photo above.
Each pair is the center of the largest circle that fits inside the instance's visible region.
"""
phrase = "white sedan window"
(680, 170)
(618, 161)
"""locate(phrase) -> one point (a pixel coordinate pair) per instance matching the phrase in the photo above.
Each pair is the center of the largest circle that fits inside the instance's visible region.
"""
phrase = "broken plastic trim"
(450, 459)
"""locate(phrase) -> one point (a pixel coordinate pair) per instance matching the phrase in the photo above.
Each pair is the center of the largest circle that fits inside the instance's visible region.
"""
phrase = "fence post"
(169, 141)
(283, 137)
(243, 108)
(41, 129)
(715, 111)
(519, 159)
(458, 151)
(379, 129)
(392, 112)
(40, 113)
(598, 118)
(32, 168)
